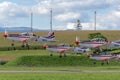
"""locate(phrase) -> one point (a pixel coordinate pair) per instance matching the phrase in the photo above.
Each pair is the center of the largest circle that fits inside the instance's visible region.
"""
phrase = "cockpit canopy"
(27, 34)
(98, 40)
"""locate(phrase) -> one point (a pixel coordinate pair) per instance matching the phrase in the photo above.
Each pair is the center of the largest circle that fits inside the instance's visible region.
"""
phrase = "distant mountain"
(2, 29)
(20, 29)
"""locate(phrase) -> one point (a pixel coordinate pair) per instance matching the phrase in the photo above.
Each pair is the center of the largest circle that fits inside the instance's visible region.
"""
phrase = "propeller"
(77, 41)
(44, 46)
(88, 55)
(5, 34)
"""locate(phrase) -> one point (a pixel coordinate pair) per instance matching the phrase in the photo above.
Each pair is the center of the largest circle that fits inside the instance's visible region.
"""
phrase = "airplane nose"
(44, 46)
(88, 55)
(76, 42)
(5, 35)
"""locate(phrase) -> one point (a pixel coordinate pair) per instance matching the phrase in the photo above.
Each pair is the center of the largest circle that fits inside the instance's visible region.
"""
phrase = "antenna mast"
(95, 22)
(31, 22)
(51, 19)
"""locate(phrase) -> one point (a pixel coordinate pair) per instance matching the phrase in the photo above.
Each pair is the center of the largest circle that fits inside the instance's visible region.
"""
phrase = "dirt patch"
(7, 58)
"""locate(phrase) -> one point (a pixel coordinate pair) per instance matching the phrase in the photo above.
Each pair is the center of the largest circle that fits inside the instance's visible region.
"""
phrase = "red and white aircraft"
(101, 57)
(104, 57)
(59, 49)
(62, 49)
(48, 38)
(93, 43)
(22, 37)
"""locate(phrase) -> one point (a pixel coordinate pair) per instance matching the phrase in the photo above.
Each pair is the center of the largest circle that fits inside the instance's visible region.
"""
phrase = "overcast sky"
(16, 13)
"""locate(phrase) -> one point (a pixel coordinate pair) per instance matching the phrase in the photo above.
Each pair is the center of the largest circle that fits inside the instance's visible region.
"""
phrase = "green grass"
(67, 72)
(70, 60)
(63, 68)
(62, 76)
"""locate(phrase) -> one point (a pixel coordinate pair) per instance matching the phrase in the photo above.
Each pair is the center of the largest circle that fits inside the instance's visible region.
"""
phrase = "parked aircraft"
(93, 43)
(114, 45)
(102, 57)
(22, 37)
(48, 38)
(63, 49)
(81, 50)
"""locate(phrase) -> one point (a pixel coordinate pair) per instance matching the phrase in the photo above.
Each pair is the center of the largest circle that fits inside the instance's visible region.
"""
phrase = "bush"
(96, 35)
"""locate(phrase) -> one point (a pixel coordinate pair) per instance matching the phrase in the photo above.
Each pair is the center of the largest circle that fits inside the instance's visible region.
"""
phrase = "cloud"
(109, 21)
(67, 12)
(10, 10)
(71, 25)
(67, 16)
(39, 9)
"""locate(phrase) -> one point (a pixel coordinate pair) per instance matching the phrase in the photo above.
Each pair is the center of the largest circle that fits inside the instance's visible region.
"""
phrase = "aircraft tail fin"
(50, 35)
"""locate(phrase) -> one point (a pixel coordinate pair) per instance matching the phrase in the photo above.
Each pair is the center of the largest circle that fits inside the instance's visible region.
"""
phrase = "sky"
(16, 13)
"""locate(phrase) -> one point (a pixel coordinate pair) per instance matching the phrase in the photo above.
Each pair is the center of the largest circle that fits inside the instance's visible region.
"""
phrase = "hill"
(20, 29)
(54, 61)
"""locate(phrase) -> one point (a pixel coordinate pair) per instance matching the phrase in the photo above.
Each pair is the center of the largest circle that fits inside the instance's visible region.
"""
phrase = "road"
(60, 72)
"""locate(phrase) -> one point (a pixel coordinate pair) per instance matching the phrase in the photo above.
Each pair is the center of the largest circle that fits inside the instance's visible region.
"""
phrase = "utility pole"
(31, 22)
(51, 19)
(95, 21)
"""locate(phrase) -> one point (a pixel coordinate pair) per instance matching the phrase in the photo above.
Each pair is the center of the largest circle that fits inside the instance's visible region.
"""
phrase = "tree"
(96, 35)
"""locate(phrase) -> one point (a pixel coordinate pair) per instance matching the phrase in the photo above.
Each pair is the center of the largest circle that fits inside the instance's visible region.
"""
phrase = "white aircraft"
(93, 43)
(62, 49)
(22, 37)
(80, 50)
(101, 57)
(59, 49)
(47, 38)
(114, 45)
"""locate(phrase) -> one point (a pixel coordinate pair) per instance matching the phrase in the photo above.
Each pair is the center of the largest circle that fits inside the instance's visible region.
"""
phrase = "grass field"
(109, 72)
(54, 73)
(66, 36)
(60, 73)
(62, 76)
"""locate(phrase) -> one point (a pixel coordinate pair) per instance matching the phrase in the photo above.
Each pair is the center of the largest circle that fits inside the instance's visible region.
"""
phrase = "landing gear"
(94, 62)
(51, 54)
(64, 54)
(27, 45)
(22, 45)
(102, 63)
(107, 62)
(12, 44)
